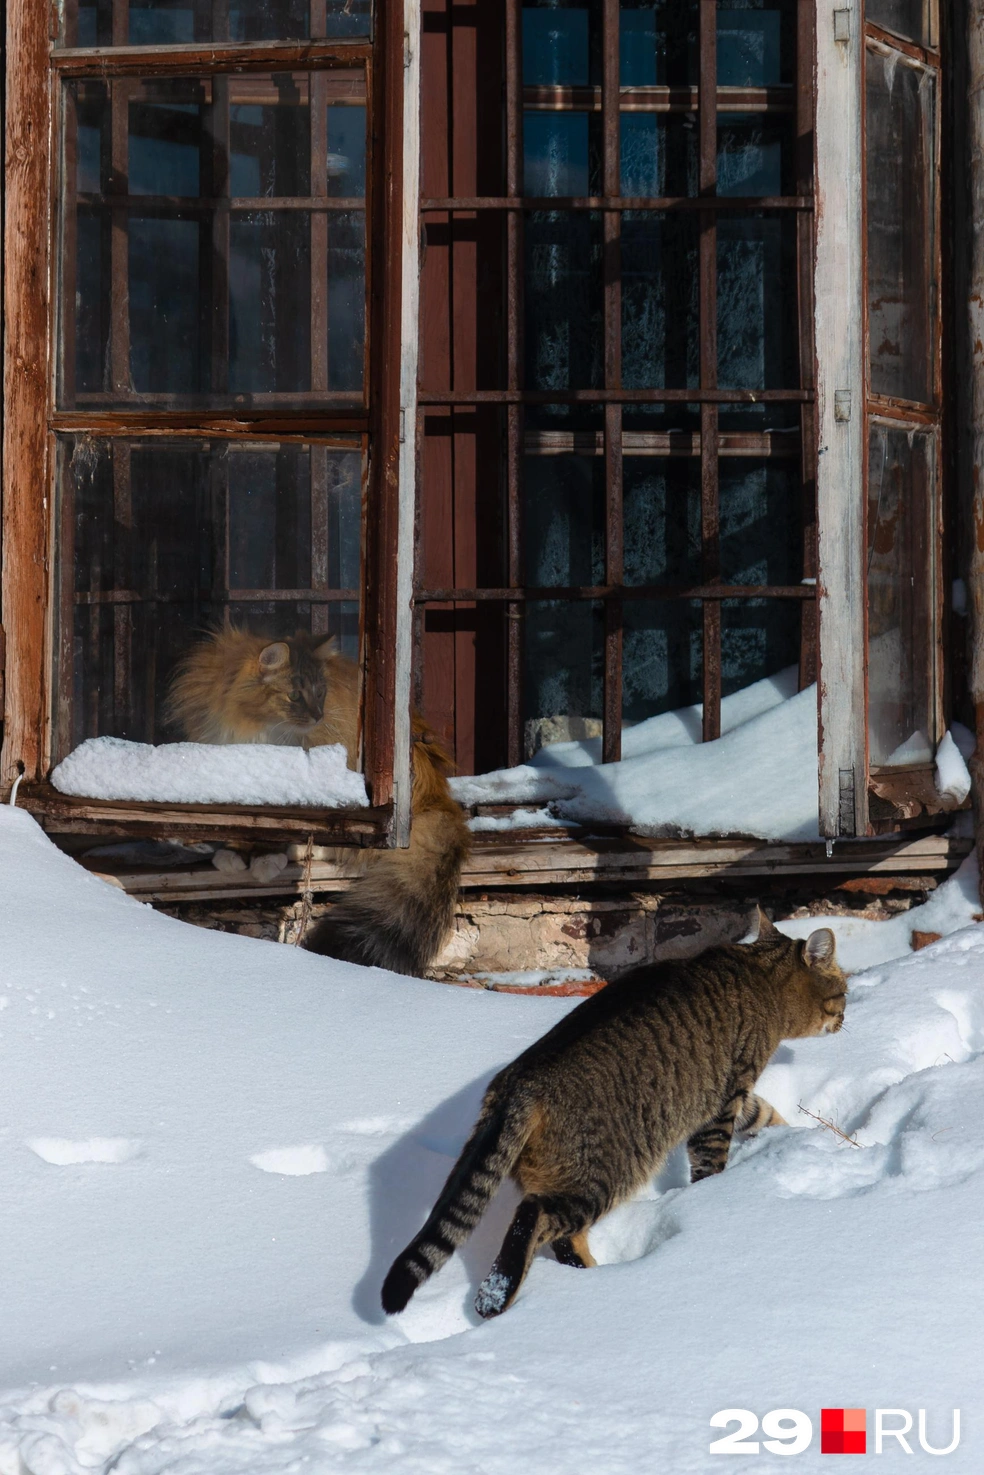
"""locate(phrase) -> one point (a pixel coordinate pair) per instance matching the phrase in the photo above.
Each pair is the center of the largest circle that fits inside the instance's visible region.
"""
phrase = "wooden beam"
(840, 419)
(523, 862)
(972, 379)
(26, 488)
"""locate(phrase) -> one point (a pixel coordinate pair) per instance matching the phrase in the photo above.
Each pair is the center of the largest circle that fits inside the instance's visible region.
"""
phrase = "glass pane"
(658, 155)
(662, 656)
(909, 18)
(756, 43)
(561, 43)
(564, 520)
(661, 519)
(759, 637)
(660, 317)
(756, 296)
(561, 153)
(562, 672)
(761, 524)
(658, 43)
(901, 596)
(183, 22)
(900, 125)
(562, 298)
(754, 155)
(188, 287)
(165, 539)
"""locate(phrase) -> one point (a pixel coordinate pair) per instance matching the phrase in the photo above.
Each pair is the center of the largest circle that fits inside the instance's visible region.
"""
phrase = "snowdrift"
(211, 1147)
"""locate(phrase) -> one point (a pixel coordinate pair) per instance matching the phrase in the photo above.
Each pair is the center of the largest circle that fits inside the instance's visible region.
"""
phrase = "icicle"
(12, 801)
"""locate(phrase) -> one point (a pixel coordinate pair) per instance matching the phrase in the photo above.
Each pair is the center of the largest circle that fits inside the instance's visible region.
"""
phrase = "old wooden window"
(881, 550)
(619, 457)
(212, 257)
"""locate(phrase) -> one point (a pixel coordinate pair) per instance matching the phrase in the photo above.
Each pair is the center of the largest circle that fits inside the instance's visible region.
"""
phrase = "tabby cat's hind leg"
(540, 1219)
(756, 1114)
(572, 1249)
(499, 1288)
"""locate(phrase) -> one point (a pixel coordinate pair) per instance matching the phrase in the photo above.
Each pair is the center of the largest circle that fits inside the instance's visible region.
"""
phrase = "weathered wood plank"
(26, 493)
(840, 419)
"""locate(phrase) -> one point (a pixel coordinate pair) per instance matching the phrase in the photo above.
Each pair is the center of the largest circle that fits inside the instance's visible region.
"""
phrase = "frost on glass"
(561, 43)
(658, 43)
(563, 314)
(157, 539)
(662, 639)
(901, 579)
(179, 284)
(660, 320)
(564, 535)
(761, 524)
(900, 127)
(754, 155)
(756, 43)
(180, 23)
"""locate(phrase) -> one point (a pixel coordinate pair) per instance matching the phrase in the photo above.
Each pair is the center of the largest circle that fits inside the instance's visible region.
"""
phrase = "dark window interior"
(617, 498)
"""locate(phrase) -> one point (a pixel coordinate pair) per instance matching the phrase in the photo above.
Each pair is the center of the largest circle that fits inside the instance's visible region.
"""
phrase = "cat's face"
(822, 985)
(292, 684)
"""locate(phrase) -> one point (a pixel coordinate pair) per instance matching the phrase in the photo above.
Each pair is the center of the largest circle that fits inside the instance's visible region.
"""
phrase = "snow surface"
(758, 779)
(181, 1309)
(210, 773)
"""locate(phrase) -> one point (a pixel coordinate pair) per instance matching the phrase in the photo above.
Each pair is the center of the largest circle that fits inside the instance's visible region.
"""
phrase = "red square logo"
(842, 1431)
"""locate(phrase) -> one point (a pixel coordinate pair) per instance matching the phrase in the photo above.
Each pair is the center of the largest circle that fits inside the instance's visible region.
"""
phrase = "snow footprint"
(293, 1162)
(61, 1152)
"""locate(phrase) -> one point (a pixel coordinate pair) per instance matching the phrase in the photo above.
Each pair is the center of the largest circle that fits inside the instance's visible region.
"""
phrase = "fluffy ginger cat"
(237, 687)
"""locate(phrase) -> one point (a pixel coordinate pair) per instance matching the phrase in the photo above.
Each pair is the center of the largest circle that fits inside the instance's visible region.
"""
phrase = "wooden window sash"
(31, 421)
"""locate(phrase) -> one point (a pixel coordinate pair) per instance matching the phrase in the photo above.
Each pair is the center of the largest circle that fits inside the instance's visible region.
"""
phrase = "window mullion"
(839, 315)
(707, 269)
(318, 83)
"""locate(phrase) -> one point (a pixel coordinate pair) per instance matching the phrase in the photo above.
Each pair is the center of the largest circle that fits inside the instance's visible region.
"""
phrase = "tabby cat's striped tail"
(487, 1157)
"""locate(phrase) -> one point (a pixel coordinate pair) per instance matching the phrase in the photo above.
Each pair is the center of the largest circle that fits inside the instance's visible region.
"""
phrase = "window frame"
(35, 70)
(856, 798)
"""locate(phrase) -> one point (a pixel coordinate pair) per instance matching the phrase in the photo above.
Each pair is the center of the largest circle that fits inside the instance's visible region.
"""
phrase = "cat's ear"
(766, 931)
(820, 948)
(327, 649)
(274, 657)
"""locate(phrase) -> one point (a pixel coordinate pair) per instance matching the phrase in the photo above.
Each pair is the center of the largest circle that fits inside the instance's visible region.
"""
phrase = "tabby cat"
(668, 1053)
(237, 687)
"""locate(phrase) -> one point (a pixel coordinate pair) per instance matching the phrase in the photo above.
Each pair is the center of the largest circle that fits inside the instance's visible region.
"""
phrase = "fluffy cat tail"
(488, 1156)
(398, 913)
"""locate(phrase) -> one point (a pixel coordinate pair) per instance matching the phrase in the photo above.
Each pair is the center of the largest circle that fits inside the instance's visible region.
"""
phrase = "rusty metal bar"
(718, 591)
(707, 272)
(615, 396)
(121, 60)
(514, 379)
(611, 742)
(607, 201)
(561, 98)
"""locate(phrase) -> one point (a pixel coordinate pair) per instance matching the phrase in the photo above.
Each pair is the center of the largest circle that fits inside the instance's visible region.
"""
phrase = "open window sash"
(878, 346)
